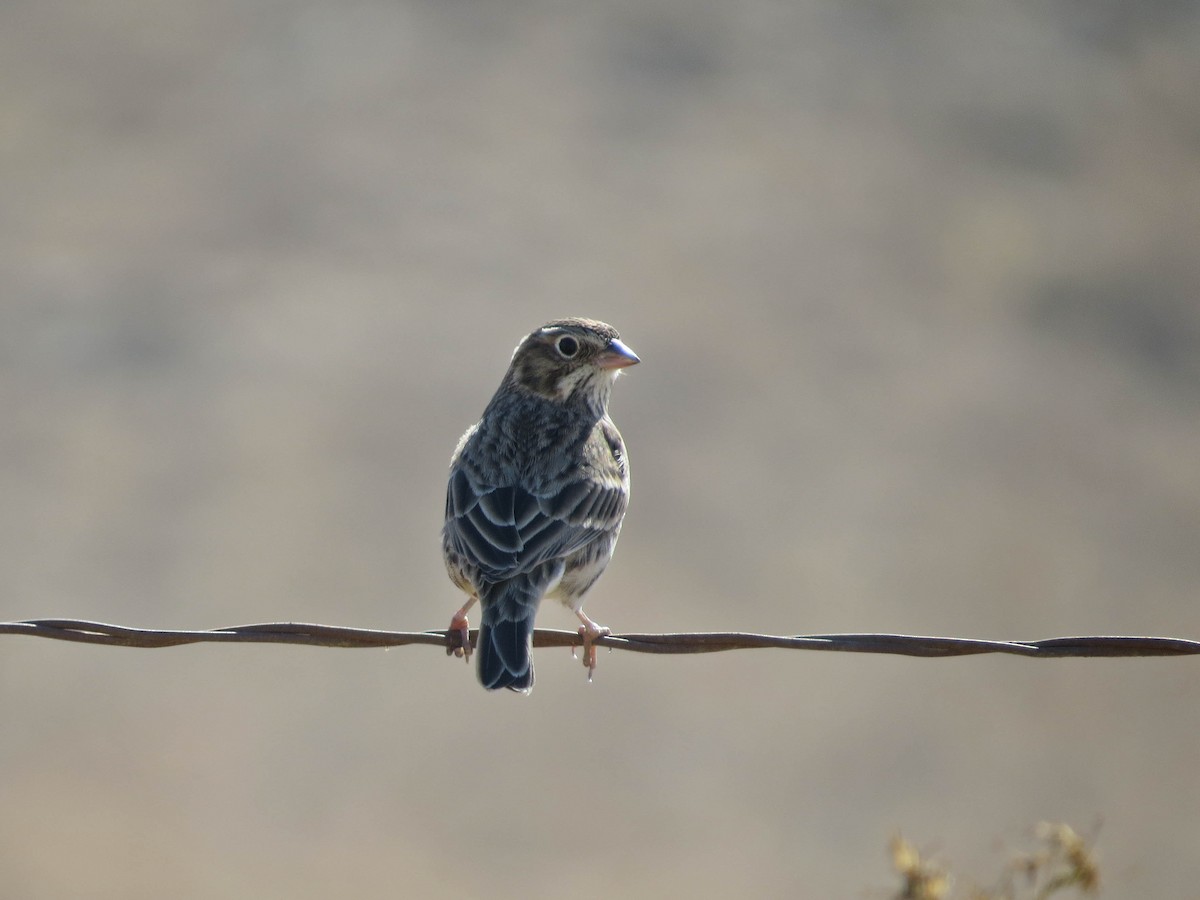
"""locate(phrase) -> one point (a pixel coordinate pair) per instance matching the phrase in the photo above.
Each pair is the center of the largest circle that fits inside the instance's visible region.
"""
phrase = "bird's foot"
(589, 632)
(460, 624)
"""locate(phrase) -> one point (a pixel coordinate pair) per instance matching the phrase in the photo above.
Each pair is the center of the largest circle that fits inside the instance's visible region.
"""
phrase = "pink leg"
(589, 632)
(458, 622)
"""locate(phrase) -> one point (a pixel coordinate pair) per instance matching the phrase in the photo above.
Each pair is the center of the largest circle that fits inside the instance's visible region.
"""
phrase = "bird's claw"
(459, 624)
(589, 632)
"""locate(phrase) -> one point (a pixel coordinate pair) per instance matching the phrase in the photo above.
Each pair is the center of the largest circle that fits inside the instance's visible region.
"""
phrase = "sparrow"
(537, 492)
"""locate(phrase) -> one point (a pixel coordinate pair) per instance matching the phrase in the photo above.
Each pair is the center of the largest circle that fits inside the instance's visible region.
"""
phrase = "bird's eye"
(567, 346)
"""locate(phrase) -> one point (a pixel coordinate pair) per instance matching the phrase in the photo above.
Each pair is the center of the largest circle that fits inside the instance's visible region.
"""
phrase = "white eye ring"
(567, 346)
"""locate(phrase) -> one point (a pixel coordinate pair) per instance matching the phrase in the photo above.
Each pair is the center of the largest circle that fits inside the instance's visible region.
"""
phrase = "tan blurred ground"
(917, 291)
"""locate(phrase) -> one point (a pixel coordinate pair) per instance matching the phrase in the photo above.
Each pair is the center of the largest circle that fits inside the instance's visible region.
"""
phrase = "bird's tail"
(505, 643)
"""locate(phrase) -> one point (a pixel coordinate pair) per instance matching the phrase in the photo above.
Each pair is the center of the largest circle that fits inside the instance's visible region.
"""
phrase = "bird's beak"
(616, 356)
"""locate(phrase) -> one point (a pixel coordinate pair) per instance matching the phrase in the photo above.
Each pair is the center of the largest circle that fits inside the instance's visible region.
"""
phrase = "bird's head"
(571, 361)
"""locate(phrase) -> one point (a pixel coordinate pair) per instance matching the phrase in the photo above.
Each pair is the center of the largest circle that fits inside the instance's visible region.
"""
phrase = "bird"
(537, 492)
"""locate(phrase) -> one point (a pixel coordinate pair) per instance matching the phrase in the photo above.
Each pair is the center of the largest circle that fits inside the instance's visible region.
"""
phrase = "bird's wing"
(506, 531)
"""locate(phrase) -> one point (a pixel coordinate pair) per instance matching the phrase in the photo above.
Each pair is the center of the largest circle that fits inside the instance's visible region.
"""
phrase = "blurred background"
(915, 286)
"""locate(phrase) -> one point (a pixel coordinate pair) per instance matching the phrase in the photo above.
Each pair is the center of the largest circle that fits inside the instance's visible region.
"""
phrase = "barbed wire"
(86, 632)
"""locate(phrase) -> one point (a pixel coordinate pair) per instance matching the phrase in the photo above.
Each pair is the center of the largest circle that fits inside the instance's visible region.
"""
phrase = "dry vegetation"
(1062, 864)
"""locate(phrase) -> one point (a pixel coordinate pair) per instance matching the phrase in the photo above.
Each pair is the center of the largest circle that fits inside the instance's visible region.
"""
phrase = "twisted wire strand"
(83, 631)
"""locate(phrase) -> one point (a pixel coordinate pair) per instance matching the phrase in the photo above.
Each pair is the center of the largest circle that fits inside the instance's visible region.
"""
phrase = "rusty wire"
(696, 642)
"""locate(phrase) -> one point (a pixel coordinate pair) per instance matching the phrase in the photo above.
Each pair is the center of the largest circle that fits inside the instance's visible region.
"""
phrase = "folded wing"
(507, 531)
